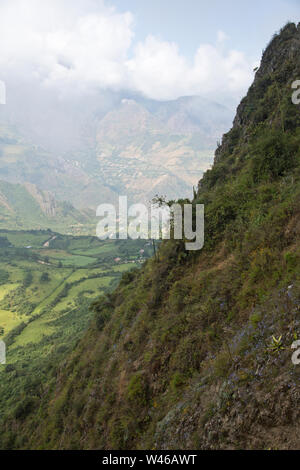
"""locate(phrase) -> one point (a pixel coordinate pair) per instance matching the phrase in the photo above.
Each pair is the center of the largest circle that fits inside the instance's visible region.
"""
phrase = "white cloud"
(222, 37)
(83, 44)
(60, 44)
(159, 71)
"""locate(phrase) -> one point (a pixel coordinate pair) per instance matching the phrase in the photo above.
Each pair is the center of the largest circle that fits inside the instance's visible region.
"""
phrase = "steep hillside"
(181, 354)
(26, 207)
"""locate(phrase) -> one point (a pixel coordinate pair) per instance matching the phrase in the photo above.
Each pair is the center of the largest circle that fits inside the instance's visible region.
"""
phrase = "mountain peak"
(269, 97)
(283, 47)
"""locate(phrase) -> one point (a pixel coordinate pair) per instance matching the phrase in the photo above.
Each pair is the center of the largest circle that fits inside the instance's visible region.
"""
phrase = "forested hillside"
(194, 349)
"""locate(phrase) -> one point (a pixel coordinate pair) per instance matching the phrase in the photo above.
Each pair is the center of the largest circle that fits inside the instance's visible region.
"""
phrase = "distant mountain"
(137, 148)
(27, 207)
(145, 146)
(21, 162)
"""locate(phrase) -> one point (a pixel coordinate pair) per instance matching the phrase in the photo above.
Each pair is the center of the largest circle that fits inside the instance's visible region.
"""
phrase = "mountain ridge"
(132, 145)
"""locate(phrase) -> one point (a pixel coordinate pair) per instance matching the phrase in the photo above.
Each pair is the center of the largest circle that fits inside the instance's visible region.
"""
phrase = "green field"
(48, 280)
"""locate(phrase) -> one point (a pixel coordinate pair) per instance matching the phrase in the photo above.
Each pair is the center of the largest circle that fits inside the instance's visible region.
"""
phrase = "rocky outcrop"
(44, 199)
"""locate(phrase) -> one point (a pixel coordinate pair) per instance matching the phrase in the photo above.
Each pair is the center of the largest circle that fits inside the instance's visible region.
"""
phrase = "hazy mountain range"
(134, 147)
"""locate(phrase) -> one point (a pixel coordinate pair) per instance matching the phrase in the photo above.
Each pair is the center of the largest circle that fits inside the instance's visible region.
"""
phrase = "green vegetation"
(44, 303)
(25, 207)
(193, 349)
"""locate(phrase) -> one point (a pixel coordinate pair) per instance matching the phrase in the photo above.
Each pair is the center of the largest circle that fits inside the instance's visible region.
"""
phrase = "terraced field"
(48, 281)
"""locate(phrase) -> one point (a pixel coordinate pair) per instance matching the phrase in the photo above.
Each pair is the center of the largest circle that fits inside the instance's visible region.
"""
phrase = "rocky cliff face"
(44, 199)
(279, 68)
(283, 48)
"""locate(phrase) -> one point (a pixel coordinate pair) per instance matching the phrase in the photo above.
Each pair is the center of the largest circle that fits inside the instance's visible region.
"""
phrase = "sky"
(161, 49)
(248, 25)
